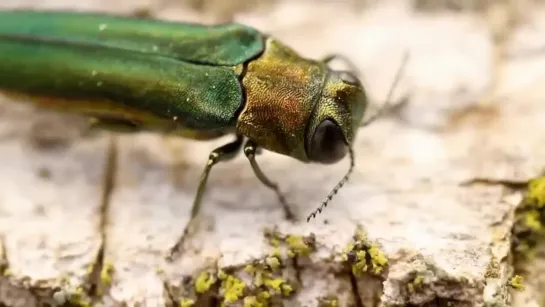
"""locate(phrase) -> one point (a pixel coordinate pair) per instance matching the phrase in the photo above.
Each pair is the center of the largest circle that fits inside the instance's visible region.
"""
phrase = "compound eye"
(328, 144)
(348, 78)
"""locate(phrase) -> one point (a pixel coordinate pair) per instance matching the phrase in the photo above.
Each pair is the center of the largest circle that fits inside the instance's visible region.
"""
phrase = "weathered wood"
(90, 217)
(51, 197)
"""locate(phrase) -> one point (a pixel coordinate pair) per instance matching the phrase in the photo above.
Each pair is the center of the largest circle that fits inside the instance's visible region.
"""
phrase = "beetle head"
(335, 118)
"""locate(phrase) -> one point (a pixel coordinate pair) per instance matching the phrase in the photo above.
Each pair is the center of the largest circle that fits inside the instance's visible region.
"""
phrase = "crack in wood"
(212, 299)
(171, 301)
(298, 269)
(355, 291)
(512, 184)
(4, 263)
(95, 289)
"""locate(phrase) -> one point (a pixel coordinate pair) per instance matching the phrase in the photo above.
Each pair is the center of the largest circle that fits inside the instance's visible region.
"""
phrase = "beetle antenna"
(337, 187)
(387, 103)
(353, 68)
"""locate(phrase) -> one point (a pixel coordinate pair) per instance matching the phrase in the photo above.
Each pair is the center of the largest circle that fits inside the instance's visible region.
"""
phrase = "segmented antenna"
(337, 187)
(375, 116)
(387, 103)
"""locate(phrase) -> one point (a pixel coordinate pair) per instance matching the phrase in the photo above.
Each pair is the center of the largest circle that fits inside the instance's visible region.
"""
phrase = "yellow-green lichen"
(263, 295)
(364, 257)
(276, 252)
(536, 192)
(532, 220)
(266, 274)
(360, 235)
(275, 242)
(265, 284)
(263, 278)
(416, 284)
(259, 278)
(273, 237)
(328, 301)
(106, 274)
(516, 283)
(297, 246)
(259, 300)
(90, 268)
(250, 269)
(274, 284)
(360, 266)
(186, 302)
(346, 252)
(378, 259)
(233, 288)
(528, 230)
(204, 281)
(7, 272)
(78, 298)
(273, 262)
(286, 289)
(251, 301)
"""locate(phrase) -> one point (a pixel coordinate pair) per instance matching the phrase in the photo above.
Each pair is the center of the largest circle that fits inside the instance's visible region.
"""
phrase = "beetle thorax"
(281, 91)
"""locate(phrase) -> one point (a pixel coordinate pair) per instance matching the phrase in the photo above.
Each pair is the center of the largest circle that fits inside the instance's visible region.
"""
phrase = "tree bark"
(88, 218)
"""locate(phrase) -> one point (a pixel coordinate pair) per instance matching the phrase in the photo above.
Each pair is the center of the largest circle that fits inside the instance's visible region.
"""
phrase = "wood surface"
(87, 218)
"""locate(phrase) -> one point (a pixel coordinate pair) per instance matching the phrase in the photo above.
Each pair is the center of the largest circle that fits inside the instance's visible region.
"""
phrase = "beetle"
(195, 81)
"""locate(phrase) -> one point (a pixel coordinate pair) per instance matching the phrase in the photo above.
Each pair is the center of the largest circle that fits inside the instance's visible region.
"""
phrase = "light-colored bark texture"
(88, 218)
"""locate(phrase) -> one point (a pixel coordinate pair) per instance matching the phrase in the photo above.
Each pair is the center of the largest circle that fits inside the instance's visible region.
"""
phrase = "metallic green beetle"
(196, 81)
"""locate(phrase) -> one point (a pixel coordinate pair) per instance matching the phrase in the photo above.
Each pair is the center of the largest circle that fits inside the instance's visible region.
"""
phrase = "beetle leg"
(250, 150)
(223, 153)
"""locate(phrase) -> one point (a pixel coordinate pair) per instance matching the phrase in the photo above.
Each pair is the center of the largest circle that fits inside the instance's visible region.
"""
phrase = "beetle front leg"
(223, 153)
(250, 150)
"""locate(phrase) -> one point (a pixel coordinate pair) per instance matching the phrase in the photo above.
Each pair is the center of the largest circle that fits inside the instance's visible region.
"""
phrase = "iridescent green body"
(142, 71)
(186, 79)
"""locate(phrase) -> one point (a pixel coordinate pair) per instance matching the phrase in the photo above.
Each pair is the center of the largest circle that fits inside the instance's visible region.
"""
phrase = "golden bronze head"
(336, 117)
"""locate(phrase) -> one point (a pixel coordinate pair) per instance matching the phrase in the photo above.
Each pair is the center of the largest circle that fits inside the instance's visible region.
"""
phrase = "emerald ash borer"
(196, 81)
